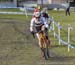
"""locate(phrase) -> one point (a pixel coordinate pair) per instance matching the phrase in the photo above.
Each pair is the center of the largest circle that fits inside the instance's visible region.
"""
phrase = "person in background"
(44, 14)
(67, 9)
(48, 18)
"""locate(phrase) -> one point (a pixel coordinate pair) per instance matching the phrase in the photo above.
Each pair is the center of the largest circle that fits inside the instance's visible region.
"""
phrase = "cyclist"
(39, 23)
(48, 20)
(46, 16)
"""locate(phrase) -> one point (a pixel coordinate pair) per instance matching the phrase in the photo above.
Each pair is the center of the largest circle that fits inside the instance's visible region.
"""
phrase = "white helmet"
(37, 14)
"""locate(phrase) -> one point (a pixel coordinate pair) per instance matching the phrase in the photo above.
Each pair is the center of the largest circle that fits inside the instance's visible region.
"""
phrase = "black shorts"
(37, 29)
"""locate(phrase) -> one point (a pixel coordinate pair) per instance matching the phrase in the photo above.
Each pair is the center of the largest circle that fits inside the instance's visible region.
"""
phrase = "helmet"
(37, 14)
(39, 7)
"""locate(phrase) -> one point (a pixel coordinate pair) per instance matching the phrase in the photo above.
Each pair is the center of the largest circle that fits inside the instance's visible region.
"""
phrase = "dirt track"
(15, 39)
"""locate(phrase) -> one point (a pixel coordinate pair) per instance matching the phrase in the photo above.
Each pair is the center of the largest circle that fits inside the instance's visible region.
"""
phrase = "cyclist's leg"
(40, 44)
(38, 37)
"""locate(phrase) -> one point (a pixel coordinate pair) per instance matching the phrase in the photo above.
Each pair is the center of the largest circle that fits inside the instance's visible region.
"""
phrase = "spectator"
(67, 9)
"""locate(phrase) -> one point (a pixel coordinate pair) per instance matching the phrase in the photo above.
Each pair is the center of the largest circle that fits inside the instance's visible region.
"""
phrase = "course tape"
(57, 36)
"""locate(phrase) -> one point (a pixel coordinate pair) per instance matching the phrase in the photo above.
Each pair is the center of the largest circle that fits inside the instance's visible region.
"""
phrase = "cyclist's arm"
(31, 25)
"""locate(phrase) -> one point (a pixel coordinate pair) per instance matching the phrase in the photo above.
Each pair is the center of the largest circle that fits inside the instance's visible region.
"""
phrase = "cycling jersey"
(38, 23)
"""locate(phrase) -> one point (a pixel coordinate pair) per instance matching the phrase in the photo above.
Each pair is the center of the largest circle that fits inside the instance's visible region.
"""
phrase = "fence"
(58, 36)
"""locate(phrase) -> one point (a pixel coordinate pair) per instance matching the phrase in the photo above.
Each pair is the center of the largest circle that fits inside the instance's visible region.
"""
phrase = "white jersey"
(35, 22)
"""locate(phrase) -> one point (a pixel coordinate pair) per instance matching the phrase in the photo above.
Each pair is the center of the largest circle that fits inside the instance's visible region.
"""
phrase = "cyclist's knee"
(37, 35)
(43, 28)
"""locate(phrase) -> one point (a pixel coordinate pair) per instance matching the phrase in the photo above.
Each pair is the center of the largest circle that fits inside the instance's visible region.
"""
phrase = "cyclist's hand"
(33, 34)
(43, 28)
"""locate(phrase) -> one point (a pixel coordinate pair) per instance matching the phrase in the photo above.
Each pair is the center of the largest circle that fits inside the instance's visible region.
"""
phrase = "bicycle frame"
(43, 39)
(44, 44)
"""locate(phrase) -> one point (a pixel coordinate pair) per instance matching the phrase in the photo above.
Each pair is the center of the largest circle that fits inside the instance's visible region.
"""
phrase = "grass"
(17, 46)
